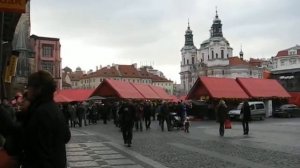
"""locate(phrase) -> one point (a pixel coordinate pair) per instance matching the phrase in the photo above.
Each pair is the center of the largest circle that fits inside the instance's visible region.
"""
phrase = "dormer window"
(292, 52)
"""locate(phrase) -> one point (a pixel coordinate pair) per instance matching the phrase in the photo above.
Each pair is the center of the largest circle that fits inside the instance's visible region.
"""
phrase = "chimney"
(96, 68)
(100, 67)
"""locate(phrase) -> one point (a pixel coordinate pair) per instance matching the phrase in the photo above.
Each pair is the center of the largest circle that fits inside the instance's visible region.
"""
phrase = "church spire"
(189, 36)
(241, 53)
(216, 28)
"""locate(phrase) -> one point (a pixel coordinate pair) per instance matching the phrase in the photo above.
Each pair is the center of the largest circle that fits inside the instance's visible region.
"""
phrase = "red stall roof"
(114, 88)
(217, 88)
(59, 98)
(146, 91)
(70, 95)
(295, 98)
(160, 92)
(263, 88)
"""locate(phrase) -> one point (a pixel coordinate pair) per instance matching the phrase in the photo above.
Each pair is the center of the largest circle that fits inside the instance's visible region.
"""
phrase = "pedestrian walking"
(127, 117)
(245, 116)
(139, 117)
(165, 116)
(221, 115)
(147, 114)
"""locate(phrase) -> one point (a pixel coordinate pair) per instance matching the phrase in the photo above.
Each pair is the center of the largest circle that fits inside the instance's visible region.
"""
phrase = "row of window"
(128, 80)
(86, 81)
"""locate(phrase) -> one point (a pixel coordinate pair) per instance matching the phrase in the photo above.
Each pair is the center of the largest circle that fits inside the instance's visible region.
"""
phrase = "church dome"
(78, 69)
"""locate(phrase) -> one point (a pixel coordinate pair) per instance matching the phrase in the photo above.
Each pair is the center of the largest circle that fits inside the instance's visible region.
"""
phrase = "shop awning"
(216, 88)
(118, 89)
(72, 95)
(145, 91)
(161, 92)
(263, 88)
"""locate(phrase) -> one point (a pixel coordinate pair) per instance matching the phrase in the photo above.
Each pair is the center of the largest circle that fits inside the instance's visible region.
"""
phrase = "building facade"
(286, 68)
(128, 73)
(214, 58)
(47, 56)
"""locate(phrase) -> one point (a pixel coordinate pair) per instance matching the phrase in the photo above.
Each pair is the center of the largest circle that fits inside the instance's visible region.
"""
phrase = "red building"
(47, 56)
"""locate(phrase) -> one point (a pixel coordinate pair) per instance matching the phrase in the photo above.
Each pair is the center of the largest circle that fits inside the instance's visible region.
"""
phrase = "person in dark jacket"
(43, 132)
(147, 115)
(221, 115)
(246, 116)
(127, 117)
(165, 116)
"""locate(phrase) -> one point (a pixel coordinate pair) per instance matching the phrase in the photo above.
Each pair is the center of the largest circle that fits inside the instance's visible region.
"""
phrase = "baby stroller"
(175, 121)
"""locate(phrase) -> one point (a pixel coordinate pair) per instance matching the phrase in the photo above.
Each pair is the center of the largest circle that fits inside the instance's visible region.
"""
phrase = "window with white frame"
(47, 50)
(282, 62)
(293, 61)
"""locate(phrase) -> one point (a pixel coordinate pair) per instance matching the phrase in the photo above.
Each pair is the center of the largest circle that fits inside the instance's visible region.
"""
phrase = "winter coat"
(127, 116)
(221, 113)
(246, 112)
(45, 136)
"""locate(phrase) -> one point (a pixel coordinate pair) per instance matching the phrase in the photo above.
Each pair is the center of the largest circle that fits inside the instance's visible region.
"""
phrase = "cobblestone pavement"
(271, 143)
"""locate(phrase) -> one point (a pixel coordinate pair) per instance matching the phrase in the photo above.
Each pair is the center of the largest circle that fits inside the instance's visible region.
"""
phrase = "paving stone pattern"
(96, 154)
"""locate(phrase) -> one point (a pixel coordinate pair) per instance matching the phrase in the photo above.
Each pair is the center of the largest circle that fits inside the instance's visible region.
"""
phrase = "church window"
(193, 60)
(222, 54)
(187, 62)
(227, 55)
(212, 53)
(217, 55)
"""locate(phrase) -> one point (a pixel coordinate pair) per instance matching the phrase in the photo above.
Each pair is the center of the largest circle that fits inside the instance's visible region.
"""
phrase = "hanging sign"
(17, 6)
(7, 77)
(13, 62)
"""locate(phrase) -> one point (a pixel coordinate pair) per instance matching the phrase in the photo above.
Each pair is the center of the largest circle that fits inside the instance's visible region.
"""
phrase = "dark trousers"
(139, 125)
(80, 121)
(147, 122)
(127, 134)
(246, 127)
(221, 129)
(162, 121)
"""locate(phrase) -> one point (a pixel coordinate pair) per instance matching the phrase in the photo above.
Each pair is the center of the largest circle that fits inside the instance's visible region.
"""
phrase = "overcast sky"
(102, 32)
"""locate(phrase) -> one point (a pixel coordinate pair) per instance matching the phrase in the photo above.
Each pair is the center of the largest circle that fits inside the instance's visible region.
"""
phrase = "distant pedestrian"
(127, 117)
(221, 115)
(165, 116)
(147, 115)
(187, 125)
(139, 115)
(246, 116)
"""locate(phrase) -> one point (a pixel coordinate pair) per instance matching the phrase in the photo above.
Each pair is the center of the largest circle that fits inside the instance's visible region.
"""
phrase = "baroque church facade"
(214, 58)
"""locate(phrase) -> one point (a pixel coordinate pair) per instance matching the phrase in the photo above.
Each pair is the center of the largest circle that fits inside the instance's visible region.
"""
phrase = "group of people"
(35, 133)
(222, 116)
(132, 114)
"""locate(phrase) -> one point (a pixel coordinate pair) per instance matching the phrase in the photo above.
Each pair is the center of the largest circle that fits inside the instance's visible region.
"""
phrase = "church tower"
(216, 50)
(188, 60)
